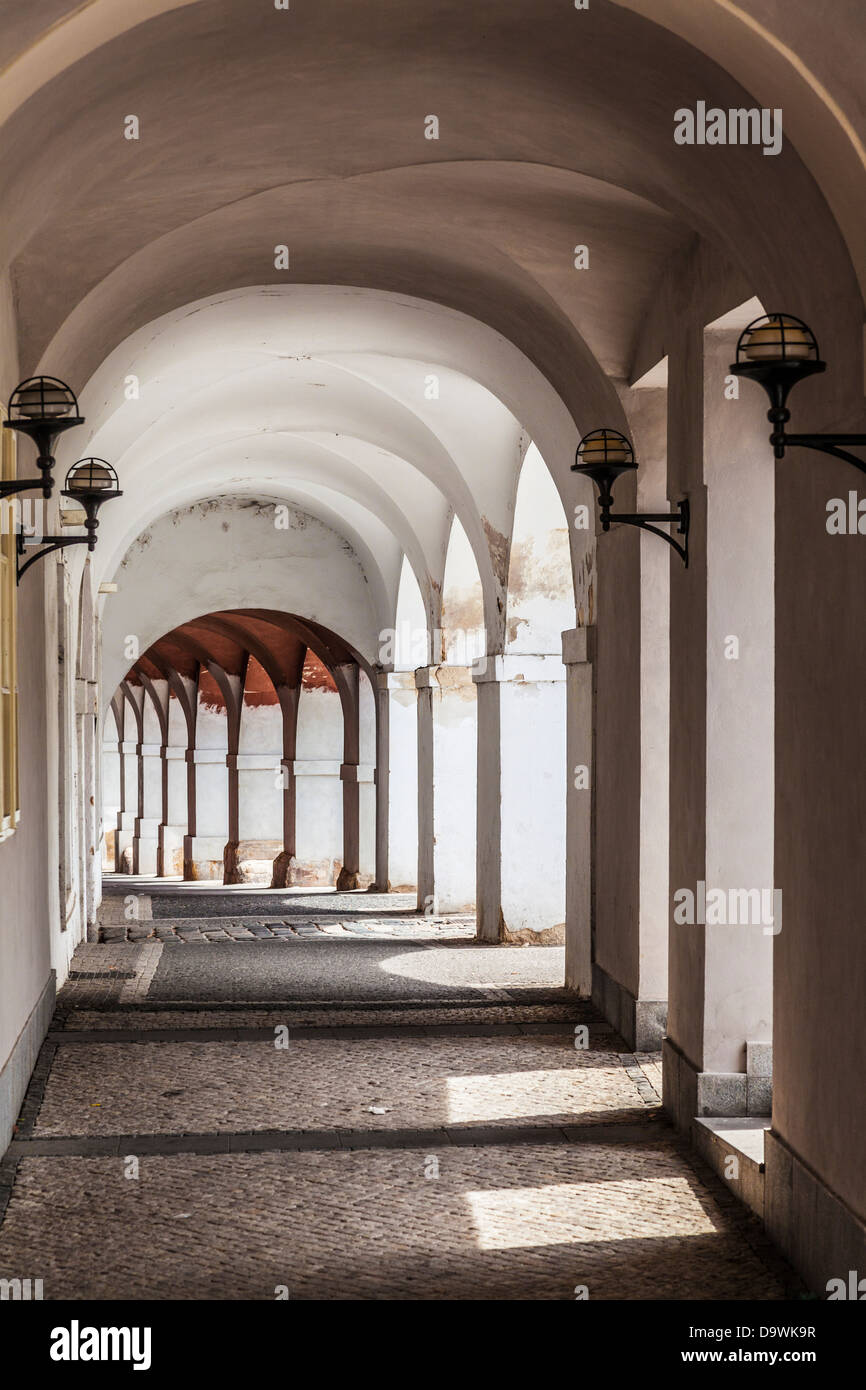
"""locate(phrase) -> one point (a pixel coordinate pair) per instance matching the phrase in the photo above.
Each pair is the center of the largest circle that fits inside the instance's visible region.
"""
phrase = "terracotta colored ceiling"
(267, 650)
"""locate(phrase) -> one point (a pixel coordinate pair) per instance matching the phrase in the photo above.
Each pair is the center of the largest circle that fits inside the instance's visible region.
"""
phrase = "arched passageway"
(354, 623)
(249, 762)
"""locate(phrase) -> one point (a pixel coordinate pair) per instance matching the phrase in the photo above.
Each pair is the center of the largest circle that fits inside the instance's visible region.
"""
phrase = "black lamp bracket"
(8, 488)
(645, 521)
(51, 543)
(824, 443)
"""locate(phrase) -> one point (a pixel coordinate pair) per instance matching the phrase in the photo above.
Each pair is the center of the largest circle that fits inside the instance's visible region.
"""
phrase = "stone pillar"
(721, 858)
(397, 783)
(258, 788)
(521, 850)
(577, 651)
(174, 823)
(281, 871)
(359, 825)
(111, 774)
(146, 840)
(319, 794)
(204, 847)
(129, 800)
(815, 1206)
(346, 677)
(447, 753)
(629, 971)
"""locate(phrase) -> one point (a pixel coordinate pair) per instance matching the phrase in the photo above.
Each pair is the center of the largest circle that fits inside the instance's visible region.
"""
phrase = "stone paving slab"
(194, 930)
(337, 1016)
(530, 1222)
(146, 1088)
(203, 903)
(291, 1140)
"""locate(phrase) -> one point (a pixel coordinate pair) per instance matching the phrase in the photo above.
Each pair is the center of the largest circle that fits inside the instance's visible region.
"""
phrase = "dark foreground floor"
(351, 1118)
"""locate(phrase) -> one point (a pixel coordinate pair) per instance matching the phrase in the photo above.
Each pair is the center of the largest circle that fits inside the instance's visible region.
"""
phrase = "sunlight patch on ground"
(581, 1213)
(549, 1094)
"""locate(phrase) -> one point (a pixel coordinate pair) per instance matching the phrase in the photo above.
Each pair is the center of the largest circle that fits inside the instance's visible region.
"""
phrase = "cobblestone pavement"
(481, 1134)
(196, 930)
(410, 1083)
(152, 901)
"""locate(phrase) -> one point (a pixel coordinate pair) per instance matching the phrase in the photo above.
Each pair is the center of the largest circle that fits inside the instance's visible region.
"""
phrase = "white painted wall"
(319, 754)
(533, 753)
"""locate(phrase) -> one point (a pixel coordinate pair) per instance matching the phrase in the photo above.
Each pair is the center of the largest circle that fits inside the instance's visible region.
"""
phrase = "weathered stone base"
(689, 1093)
(250, 861)
(15, 1076)
(347, 880)
(203, 858)
(281, 869)
(641, 1022)
(818, 1233)
(528, 936)
(741, 1137)
(169, 859)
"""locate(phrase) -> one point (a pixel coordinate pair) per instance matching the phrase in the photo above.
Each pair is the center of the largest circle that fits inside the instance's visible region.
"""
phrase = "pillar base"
(689, 1093)
(347, 880)
(203, 858)
(641, 1022)
(531, 936)
(145, 855)
(249, 861)
(281, 871)
(819, 1234)
(170, 853)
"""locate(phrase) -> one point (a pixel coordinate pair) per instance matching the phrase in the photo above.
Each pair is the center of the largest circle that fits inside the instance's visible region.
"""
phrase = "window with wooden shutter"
(9, 807)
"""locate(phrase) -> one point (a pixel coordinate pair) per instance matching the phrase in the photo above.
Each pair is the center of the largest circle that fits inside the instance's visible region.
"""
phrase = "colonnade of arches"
(254, 746)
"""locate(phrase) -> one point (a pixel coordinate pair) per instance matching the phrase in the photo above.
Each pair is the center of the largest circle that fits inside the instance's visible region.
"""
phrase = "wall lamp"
(89, 482)
(43, 408)
(777, 351)
(602, 456)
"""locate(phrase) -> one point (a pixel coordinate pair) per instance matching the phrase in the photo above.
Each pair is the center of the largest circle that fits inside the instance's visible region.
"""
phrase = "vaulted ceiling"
(408, 258)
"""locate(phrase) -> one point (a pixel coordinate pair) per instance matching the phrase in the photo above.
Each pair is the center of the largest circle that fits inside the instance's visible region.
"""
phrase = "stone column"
(815, 1192)
(521, 849)
(281, 872)
(111, 797)
(346, 677)
(359, 821)
(146, 839)
(577, 652)
(204, 846)
(629, 970)
(173, 827)
(319, 794)
(447, 754)
(721, 856)
(397, 783)
(259, 791)
(128, 813)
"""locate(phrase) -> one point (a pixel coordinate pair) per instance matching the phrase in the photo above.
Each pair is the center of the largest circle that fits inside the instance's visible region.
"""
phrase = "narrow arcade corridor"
(348, 1101)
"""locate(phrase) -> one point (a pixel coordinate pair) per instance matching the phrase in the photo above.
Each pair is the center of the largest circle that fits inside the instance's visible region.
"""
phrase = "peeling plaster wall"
(463, 629)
